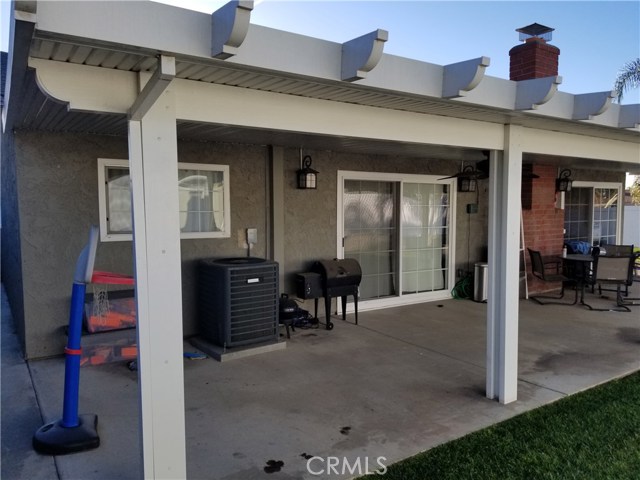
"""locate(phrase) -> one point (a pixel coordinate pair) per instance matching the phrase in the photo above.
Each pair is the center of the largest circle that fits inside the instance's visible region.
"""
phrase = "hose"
(463, 288)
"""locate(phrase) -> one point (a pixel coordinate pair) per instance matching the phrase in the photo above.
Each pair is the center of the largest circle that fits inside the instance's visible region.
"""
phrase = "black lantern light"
(307, 176)
(563, 182)
(467, 182)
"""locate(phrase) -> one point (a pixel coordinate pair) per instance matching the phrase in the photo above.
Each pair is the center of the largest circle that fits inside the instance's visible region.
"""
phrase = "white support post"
(154, 185)
(505, 182)
(276, 216)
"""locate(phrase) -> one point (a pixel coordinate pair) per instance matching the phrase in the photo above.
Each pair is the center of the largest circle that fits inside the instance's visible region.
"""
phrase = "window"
(203, 193)
(592, 214)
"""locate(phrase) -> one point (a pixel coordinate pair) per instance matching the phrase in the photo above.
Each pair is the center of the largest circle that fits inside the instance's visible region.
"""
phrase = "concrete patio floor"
(402, 381)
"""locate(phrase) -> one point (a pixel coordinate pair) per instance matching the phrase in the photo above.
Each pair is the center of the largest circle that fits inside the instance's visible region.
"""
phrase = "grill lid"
(338, 272)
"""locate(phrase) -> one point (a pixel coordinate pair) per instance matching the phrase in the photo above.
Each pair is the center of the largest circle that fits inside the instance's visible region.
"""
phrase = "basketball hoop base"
(54, 439)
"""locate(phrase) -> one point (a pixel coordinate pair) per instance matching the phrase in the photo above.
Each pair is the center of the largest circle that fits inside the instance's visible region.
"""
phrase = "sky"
(595, 38)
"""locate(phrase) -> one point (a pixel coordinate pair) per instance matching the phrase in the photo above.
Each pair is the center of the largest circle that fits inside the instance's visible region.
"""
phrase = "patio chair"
(619, 251)
(539, 271)
(615, 271)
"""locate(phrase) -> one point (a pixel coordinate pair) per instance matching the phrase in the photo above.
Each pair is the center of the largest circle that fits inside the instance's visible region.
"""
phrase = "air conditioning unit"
(238, 301)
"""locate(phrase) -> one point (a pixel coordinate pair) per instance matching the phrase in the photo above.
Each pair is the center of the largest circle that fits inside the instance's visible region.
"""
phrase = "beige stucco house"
(114, 107)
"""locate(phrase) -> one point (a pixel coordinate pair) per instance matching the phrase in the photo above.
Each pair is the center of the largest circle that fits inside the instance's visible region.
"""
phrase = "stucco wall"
(472, 239)
(248, 173)
(310, 215)
(58, 199)
(11, 256)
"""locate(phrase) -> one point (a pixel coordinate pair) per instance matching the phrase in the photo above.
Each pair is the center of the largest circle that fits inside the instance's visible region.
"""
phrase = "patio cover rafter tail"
(229, 27)
(532, 93)
(362, 54)
(589, 105)
(460, 78)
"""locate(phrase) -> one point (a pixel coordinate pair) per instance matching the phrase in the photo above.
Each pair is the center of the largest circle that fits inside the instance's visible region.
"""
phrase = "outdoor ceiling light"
(307, 176)
(563, 182)
(467, 182)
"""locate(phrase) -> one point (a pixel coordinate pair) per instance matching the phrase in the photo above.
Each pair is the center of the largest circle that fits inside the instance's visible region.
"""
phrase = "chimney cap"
(535, 30)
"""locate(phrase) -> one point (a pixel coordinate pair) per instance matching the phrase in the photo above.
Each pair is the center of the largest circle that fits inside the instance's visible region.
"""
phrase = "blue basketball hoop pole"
(73, 433)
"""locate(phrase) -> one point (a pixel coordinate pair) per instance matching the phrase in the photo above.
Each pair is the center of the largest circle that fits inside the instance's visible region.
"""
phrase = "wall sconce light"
(467, 183)
(307, 176)
(563, 182)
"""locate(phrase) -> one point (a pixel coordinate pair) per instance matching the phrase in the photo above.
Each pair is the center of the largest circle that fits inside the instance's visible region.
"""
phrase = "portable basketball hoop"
(75, 433)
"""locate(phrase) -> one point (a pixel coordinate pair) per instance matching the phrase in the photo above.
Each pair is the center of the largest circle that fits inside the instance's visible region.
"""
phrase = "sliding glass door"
(370, 234)
(425, 233)
(399, 229)
(592, 213)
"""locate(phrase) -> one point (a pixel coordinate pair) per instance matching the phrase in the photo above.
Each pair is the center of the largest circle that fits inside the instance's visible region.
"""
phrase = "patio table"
(578, 266)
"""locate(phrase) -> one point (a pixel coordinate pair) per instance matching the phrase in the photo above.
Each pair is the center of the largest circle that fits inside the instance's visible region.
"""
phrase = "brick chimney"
(535, 58)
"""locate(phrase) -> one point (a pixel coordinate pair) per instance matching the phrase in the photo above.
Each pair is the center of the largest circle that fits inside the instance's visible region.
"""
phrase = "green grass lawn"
(591, 435)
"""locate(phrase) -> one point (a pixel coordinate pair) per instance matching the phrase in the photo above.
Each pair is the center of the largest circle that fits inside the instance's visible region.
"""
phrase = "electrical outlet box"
(252, 236)
(472, 208)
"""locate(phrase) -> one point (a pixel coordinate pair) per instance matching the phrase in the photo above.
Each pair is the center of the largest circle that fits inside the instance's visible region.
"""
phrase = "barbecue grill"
(340, 278)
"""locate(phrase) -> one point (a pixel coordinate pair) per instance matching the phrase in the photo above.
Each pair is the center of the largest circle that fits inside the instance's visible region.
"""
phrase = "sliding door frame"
(401, 299)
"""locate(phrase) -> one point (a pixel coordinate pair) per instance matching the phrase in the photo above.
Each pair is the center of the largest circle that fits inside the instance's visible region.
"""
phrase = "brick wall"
(543, 223)
(533, 59)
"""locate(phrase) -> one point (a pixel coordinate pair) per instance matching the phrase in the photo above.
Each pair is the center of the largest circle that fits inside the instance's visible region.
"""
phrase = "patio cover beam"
(125, 27)
(505, 183)
(157, 84)
(153, 157)
(95, 89)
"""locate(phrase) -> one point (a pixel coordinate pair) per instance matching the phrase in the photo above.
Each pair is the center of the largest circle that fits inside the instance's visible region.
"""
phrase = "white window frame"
(406, 299)
(611, 185)
(105, 236)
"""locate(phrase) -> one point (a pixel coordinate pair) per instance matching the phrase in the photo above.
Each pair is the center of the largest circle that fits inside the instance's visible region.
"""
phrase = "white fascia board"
(140, 24)
(86, 88)
(560, 105)
(492, 92)
(288, 52)
(406, 75)
(548, 142)
(209, 103)
(629, 116)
